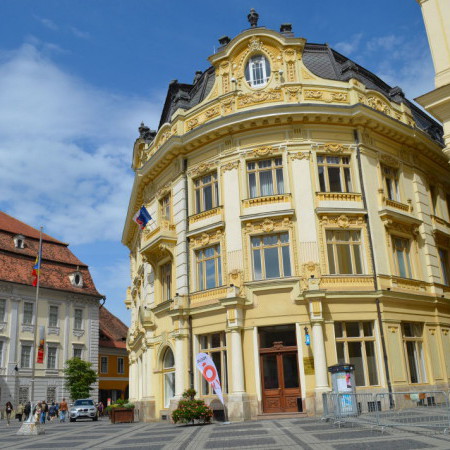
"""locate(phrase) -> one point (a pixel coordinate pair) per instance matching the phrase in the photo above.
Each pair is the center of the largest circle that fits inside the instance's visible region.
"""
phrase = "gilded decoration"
(265, 150)
(310, 270)
(255, 44)
(326, 96)
(202, 168)
(265, 96)
(266, 200)
(231, 165)
(300, 155)
(342, 221)
(378, 104)
(292, 94)
(206, 238)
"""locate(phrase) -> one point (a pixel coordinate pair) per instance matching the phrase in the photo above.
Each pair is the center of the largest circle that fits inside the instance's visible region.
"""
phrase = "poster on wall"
(208, 369)
(40, 352)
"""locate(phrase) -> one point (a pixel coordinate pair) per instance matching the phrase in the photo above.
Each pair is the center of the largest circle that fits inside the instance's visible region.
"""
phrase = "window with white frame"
(265, 177)
(390, 182)
(78, 352)
(78, 319)
(120, 366)
(402, 261)
(104, 364)
(166, 281)
(355, 344)
(25, 356)
(51, 394)
(53, 316)
(2, 309)
(1, 353)
(257, 71)
(209, 268)
(51, 357)
(24, 394)
(434, 199)
(165, 207)
(413, 342)
(445, 266)
(334, 173)
(206, 190)
(168, 369)
(215, 346)
(28, 313)
(271, 256)
(344, 252)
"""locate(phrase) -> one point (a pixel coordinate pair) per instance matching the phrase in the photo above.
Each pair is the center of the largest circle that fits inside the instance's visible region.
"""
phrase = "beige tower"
(436, 15)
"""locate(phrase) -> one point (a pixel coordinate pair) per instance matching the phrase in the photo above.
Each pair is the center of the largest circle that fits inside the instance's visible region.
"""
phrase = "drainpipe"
(191, 336)
(375, 278)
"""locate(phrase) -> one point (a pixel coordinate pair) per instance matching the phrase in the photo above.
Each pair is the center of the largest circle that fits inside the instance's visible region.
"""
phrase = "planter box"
(122, 415)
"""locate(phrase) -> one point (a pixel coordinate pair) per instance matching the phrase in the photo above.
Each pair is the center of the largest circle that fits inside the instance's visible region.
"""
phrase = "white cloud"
(79, 33)
(47, 23)
(65, 148)
(350, 47)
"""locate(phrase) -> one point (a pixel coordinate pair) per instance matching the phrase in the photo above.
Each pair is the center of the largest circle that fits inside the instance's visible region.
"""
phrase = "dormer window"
(19, 241)
(76, 278)
(257, 71)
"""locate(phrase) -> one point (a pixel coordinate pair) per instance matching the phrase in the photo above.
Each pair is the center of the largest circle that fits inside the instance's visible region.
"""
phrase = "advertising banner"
(208, 369)
(40, 352)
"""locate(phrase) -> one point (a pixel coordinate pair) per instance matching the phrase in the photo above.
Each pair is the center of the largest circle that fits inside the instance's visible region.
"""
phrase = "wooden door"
(280, 381)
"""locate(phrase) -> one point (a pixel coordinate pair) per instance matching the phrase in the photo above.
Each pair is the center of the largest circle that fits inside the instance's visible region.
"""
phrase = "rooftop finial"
(253, 18)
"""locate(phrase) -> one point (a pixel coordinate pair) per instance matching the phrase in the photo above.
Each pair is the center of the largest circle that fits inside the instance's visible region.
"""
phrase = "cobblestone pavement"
(266, 434)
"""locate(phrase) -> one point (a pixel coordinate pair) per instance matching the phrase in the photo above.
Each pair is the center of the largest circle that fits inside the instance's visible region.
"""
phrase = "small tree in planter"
(190, 410)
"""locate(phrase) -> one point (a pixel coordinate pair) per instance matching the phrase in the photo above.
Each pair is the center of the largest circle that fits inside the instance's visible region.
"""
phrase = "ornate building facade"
(66, 314)
(301, 214)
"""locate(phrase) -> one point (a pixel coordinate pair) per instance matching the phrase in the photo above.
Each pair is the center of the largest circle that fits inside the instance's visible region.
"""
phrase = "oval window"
(257, 71)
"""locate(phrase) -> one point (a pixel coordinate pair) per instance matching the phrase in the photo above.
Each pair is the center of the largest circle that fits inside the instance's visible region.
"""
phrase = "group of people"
(42, 411)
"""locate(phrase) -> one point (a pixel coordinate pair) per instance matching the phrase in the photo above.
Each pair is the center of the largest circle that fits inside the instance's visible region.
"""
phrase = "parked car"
(83, 408)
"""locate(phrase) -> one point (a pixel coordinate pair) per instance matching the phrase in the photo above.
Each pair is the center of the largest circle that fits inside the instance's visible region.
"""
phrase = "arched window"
(257, 71)
(168, 377)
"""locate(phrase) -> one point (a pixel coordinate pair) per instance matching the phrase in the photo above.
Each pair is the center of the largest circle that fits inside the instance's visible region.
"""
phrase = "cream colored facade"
(347, 248)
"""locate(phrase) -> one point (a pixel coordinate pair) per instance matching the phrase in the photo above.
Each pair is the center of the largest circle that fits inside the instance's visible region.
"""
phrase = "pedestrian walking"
(52, 411)
(8, 411)
(19, 412)
(100, 408)
(44, 411)
(63, 410)
(27, 410)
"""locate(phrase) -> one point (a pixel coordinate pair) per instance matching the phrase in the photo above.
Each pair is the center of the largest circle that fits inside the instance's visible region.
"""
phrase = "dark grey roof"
(322, 61)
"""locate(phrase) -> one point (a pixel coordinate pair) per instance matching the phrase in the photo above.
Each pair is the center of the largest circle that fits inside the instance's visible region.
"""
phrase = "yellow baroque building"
(295, 197)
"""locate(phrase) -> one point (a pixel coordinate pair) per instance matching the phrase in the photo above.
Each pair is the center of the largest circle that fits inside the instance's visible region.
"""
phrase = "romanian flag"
(37, 267)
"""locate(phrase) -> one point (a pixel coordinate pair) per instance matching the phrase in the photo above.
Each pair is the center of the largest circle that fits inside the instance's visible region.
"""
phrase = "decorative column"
(179, 366)
(237, 362)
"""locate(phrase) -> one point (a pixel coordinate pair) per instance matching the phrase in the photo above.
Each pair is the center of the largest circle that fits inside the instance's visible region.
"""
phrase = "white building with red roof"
(66, 314)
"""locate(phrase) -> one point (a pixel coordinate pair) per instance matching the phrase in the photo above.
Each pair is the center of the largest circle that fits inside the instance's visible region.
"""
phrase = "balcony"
(339, 196)
(206, 218)
(347, 283)
(396, 283)
(266, 200)
(159, 242)
(208, 297)
(440, 226)
(395, 205)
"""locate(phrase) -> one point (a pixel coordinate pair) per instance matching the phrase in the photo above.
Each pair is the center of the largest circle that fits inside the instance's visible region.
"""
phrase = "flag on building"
(37, 268)
(142, 217)
(209, 371)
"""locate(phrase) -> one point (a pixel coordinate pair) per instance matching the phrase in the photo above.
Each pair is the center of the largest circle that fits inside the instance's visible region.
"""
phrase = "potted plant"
(121, 411)
(190, 410)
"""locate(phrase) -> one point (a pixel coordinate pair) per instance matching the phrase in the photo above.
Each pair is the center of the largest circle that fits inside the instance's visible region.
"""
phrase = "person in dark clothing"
(27, 410)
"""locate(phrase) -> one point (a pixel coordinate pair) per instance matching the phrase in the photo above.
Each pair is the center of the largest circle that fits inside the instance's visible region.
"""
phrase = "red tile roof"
(58, 262)
(113, 332)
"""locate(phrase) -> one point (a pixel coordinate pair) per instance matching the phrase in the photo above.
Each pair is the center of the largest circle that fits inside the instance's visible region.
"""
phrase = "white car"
(83, 408)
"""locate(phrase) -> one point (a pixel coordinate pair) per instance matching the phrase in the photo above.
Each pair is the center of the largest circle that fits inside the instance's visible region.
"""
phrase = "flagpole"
(33, 366)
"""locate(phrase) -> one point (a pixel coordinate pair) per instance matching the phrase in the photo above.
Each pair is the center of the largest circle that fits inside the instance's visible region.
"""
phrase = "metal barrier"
(401, 410)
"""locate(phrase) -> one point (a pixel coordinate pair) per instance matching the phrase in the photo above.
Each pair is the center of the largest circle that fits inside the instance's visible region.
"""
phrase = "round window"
(257, 71)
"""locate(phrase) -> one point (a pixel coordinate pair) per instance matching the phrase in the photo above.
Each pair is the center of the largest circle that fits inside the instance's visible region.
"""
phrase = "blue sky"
(77, 78)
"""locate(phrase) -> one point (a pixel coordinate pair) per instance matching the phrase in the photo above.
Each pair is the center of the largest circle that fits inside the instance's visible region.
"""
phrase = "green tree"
(79, 378)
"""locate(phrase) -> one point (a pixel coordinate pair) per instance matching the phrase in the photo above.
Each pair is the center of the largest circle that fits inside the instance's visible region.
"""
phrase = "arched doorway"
(168, 376)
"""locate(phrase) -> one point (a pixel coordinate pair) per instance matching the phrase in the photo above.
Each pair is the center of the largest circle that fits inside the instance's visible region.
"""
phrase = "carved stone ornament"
(269, 95)
(262, 151)
(343, 221)
(230, 166)
(311, 269)
(378, 104)
(300, 155)
(53, 330)
(192, 123)
(78, 333)
(27, 328)
(406, 228)
(326, 96)
(389, 161)
(255, 44)
(206, 238)
(334, 148)
(202, 168)
(268, 225)
(2, 326)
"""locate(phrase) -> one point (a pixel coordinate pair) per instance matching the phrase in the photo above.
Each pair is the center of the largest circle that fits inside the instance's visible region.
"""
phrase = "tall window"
(355, 344)
(390, 181)
(445, 266)
(1, 353)
(165, 208)
(434, 199)
(78, 319)
(448, 205)
(265, 177)
(53, 316)
(51, 357)
(413, 341)
(28, 313)
(25, 356)
(120, 366)
(257, 71)
(2, 309)
(344, 252)
(206, 193)
(104, 364)
(215, 346)
(168, 377)
(51, 394)
(334, 173)
(209, 268)
(402, 260)
(24, 394)
(77, 352)
(271, 256)
(166, 281)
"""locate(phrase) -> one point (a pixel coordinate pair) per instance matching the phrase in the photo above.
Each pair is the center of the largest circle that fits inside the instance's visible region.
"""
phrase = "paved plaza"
(267, 434)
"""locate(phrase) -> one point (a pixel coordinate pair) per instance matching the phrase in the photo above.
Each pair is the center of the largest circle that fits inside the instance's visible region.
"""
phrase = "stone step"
(282, 415)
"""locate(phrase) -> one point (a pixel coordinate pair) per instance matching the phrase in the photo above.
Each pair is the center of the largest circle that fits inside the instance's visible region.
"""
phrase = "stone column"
(320, 360)
(180, 369)
(237, 362)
